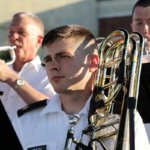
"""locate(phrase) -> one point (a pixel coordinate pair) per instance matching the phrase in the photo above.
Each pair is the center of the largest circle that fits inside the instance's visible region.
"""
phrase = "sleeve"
(18, 129)
(141, 139)
(147, 127)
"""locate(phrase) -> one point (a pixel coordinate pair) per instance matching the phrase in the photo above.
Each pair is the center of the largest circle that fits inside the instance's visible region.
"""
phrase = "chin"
(58, 90)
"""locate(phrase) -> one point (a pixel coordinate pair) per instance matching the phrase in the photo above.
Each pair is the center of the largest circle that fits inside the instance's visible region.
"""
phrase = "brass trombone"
(117, 84)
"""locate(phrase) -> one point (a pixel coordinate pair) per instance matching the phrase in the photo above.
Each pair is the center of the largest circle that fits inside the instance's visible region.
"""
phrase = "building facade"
(100, 16)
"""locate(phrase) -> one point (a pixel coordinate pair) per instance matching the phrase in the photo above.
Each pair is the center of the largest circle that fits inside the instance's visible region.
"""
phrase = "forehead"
(64, 45)
(141, 12)
(24, 23)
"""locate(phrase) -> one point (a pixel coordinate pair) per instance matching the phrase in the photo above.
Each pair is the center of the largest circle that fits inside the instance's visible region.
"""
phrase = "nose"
(13, 37)
(53, 66)
(146, 29)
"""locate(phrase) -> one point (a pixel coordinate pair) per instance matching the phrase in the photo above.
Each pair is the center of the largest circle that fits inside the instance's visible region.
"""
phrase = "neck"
(73, 102)
(17, 65)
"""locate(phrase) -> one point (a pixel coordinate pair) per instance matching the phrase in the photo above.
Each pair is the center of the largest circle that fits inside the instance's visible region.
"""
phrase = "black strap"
(31, 107)
(8, 137)
(143, 105)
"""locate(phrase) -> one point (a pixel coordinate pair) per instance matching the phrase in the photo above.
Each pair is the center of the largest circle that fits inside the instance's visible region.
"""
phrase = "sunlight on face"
(67, 64)
(141, 21)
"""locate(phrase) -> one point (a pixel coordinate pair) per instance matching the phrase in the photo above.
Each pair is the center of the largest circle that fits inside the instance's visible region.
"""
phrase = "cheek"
(76, 69)
(30, 48)
(134, 28)
(71, 64)
(138, 28)
(48, 72)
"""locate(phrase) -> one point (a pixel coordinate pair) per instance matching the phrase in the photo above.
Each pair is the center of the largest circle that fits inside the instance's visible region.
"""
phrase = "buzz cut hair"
(141, 3)
(67, 31)
(32, 16)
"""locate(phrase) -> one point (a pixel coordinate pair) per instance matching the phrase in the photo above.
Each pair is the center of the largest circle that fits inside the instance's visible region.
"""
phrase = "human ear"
(39, 41)
(94, 61)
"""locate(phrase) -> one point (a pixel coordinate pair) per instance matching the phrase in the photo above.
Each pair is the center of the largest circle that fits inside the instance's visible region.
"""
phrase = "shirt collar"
(35, 63)
(54, 105)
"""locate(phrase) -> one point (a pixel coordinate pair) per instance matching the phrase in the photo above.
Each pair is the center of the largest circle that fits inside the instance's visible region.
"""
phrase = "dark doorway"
(107, 25)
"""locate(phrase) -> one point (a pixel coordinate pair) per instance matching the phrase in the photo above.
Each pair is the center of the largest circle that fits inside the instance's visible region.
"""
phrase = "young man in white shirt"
(72, 60)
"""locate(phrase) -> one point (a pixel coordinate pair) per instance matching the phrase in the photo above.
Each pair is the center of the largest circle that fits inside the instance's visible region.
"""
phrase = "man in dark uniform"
(141, 23)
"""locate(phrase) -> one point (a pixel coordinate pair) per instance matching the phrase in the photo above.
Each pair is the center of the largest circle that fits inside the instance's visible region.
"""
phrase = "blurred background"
(100, 16)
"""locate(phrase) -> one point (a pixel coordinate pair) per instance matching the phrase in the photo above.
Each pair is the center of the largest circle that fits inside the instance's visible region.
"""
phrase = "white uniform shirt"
(49, 125)
(35, 74)
(147, 127)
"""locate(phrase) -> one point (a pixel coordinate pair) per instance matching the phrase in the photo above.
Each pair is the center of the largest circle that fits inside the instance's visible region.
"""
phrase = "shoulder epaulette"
(43, 64)
(31, 107)
(1, 92)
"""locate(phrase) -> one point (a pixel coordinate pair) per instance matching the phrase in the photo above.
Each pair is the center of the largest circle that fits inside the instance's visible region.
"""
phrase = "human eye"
(138, 23)
(10, 33)
(47, 59)
(22, 32)
(63, 57)
(148, 22)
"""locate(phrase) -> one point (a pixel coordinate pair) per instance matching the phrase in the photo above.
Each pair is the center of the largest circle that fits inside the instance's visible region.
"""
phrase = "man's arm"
(26, 91)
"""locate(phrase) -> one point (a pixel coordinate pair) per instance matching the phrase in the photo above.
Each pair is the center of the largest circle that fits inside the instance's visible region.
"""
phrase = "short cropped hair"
(67, 31)
(37, 20)
(142, 3)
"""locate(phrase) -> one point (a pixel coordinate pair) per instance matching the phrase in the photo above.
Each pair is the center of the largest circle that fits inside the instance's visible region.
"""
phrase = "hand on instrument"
(7, 75)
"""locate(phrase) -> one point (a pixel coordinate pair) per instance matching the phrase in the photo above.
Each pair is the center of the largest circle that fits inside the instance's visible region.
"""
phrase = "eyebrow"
(57, 54)
(45, 57)
(19, 29)
(137, 19)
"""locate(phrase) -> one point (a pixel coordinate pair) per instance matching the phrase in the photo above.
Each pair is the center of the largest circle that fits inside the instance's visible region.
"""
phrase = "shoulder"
(31, 107)
(37, 63)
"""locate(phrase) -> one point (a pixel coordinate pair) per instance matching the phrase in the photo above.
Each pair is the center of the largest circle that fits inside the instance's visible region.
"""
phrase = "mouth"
(17, 48)
(17, 44)
(56, 78)
(147, 37)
